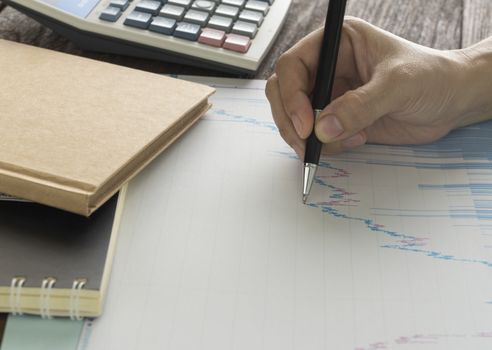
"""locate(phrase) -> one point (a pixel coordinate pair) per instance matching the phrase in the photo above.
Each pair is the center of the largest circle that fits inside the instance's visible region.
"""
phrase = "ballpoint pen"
(325, 77)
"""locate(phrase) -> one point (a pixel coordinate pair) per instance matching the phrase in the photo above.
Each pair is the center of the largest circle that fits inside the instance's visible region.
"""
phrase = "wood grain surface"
(477, 21)
(442, 24)
(434, 23)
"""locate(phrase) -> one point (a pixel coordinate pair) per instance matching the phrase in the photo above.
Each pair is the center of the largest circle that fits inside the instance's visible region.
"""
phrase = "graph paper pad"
(216, 250)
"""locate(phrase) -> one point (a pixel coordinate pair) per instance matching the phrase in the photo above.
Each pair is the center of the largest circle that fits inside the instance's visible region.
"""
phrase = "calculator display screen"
(80, 8)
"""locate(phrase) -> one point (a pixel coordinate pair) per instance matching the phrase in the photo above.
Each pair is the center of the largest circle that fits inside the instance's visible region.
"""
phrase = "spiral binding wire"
(77, 286)
(15, 294)
(44, 298)
(47, 285)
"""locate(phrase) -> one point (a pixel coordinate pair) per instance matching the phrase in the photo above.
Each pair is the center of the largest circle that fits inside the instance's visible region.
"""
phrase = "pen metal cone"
(308, 178)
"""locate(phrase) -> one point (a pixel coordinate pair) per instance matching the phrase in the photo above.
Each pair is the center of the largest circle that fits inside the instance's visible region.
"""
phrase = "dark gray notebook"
(54, 262)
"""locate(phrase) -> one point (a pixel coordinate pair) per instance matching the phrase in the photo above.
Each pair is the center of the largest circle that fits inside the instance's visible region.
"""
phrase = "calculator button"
(110, 14)
(212, 37)
(228, 11)
(163, 25)
(204, 5)
(184, 3)
(172, 11)
(138, 19)
(220, 23)
(121, 4)
(251, 16)
(237, 3)
(239, 43)
(149, 6)
(197, 17)
(255, 5)
(245, 28)
(188, 31)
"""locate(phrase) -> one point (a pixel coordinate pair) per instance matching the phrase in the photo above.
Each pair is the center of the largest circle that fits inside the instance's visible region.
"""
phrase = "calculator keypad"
(149, 6)
(197, 17)
(110, 14)
(185, 3)
(221, 23)
(256, 5)
(239, 43)
(188, 31)
(230, 24)
(228, 11)
(213, 37)
(121, 4)
(245, 28)
(138, 19)
(172, 11)
(163, 25)
(204, 5)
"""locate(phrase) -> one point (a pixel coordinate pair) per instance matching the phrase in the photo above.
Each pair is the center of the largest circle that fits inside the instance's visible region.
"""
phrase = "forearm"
(477, 81)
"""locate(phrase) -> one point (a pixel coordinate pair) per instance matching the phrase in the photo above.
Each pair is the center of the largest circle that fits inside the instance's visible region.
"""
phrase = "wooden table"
(442, 24)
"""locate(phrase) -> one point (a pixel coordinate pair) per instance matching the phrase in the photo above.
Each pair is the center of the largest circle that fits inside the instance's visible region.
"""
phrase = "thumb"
(356, 110)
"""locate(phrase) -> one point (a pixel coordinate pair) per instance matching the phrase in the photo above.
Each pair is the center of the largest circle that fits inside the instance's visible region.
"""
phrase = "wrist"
(475, 72)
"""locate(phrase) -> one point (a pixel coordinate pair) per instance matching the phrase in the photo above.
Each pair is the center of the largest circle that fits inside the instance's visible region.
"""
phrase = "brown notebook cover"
(74, 130)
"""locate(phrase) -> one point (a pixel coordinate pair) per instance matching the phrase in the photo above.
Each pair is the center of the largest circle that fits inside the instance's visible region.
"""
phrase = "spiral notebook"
(56, 263)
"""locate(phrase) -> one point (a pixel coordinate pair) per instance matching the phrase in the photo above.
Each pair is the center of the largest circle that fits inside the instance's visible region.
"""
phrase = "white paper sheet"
(216, 250)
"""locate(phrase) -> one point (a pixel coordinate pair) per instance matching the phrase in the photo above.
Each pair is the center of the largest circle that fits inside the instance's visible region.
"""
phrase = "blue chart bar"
(467, 151)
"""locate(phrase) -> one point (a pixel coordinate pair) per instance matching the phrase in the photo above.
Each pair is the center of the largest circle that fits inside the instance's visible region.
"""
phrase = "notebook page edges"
(153, 150)
(42, 191)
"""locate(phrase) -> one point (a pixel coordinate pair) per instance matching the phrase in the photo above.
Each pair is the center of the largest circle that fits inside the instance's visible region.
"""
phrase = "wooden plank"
(477, 21)
(17, 27)
(304, 17)
(434, 23)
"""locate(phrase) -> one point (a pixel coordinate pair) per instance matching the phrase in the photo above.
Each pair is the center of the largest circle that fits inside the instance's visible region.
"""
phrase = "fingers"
(288, 91)
(284, 123)
(357, 109)
(345, 145)
(296, 73)
(361, 95)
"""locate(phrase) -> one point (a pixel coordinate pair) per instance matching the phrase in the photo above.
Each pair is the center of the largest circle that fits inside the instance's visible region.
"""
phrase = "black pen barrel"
(313, 149)
(328, 55)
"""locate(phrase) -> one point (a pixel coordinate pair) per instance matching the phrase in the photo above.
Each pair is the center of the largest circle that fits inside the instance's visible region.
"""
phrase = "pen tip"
(304, 198)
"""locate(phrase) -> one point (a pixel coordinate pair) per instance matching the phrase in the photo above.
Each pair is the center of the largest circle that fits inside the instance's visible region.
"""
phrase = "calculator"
(226, 35)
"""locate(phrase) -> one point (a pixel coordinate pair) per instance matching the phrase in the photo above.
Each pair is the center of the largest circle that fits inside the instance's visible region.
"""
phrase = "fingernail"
(297, 124)
(354, 141)
(330, 127)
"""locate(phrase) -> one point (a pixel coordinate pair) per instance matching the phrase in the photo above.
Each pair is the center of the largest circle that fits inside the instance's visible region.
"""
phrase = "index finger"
(296, 71)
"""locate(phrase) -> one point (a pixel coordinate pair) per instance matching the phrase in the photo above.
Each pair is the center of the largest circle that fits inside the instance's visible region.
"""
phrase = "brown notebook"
(74, 130)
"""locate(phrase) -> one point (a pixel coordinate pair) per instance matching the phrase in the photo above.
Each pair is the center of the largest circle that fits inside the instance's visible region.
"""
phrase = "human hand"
(387, 90)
